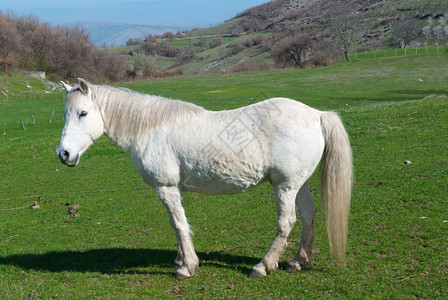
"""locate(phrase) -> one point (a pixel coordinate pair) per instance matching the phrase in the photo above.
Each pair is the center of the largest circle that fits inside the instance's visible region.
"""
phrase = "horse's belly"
(223, 186)
(216, 176)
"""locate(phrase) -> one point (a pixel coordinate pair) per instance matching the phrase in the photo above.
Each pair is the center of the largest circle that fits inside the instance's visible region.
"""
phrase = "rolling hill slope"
(248, 38)
(117, 34)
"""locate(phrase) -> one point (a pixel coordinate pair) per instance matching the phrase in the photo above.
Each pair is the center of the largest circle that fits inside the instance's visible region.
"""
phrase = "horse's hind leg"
(186, 261)
(286, 218)
(307, 211)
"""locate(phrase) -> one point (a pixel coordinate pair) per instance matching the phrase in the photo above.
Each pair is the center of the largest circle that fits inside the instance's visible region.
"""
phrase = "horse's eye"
(82, 114)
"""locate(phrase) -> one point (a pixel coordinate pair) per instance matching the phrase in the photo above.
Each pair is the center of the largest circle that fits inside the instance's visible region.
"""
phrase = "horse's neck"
(121, 116)
(130, 118)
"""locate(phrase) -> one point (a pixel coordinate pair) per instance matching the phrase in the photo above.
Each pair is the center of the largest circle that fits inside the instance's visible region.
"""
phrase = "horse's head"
(83, 123)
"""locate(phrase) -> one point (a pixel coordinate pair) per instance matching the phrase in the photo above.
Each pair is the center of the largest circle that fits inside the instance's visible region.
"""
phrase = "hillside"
(277, 34)
(333, 28)
(117, 34)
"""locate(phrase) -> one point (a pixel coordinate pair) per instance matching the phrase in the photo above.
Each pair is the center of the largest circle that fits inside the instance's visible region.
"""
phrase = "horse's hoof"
(293, 267)
(257, 273)
(271, 267)
(182, 273)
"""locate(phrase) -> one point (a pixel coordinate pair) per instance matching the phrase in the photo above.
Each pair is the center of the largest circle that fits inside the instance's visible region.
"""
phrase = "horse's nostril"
(65, 155)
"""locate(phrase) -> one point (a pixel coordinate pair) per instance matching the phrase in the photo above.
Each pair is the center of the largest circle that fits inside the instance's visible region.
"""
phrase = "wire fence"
(400, 52)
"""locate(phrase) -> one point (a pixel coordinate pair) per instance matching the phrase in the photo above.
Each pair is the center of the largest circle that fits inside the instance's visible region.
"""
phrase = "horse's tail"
(336, 175)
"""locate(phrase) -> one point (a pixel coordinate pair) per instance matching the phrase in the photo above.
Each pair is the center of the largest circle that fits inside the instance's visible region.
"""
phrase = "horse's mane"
(128, 113)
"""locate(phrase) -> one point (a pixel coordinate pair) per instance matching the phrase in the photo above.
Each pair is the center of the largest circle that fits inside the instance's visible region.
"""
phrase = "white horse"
(177, 146)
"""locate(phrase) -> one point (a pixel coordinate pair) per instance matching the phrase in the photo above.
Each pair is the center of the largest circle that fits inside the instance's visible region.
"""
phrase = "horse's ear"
(66, 87)
(83, 86)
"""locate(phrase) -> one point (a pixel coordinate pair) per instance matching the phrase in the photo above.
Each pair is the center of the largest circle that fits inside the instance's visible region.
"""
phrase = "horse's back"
(232, 151)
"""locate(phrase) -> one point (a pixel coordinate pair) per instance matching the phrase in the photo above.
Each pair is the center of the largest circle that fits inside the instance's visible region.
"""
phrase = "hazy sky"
(145, 12)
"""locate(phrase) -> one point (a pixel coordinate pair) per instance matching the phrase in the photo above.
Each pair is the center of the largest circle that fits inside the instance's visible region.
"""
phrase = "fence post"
(22, 124)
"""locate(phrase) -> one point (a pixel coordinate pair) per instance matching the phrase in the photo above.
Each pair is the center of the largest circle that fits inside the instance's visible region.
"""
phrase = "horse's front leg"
(187, 261)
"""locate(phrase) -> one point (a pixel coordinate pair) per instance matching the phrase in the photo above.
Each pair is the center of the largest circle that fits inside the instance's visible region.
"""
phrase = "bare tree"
(109, 64)
(133, 41)
(294, 50)
(73, 54)
(347, 27)
(186, 54)
(405, 30)
(9, 42)
(65, 51)
(40, 43)
(168, 35)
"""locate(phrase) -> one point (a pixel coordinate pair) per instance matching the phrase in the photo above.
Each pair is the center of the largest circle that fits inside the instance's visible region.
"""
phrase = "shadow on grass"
(120, 260)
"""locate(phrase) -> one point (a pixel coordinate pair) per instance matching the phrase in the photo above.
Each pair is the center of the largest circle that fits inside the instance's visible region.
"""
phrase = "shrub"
(243, 66)
(321, 59)
(295, 50)
(238, 47)
(216, 42)
(161, 48)
(133, 41)
(186, 54)
(142, 65)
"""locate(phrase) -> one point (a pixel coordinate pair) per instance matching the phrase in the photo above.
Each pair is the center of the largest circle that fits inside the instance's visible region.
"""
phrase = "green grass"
(224, 28)
(333, 87)
(122, 246)
(16, 86)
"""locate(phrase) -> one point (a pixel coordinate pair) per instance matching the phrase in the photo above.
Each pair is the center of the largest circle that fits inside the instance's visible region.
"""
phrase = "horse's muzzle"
(66, 159)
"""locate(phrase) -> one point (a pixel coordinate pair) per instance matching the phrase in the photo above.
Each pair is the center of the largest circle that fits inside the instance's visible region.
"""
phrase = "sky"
(180, 13)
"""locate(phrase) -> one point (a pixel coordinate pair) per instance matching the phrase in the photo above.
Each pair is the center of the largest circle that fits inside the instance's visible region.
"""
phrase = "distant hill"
(117, 34)
(247, 41)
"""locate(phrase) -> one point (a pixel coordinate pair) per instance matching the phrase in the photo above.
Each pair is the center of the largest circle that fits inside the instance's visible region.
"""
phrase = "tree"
(40, 43)
(405, 30)
(294, 50)
(133, 41)
(109, 64)
(186, 54)
(64, 51)
(346, 27)
(9, 42)
(142, 65)
(168, 35)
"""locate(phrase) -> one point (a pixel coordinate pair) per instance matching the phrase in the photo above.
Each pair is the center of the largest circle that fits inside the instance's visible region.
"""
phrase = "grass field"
(122, 247)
